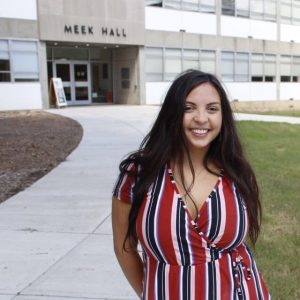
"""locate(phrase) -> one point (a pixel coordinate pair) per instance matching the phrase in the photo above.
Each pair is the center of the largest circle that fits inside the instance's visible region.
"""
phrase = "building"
(129, 51)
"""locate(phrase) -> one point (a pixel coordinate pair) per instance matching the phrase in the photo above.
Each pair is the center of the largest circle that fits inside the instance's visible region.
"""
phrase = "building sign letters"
(89, 30)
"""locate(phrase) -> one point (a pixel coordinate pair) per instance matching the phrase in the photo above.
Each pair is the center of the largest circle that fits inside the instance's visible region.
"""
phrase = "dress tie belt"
(237, 260)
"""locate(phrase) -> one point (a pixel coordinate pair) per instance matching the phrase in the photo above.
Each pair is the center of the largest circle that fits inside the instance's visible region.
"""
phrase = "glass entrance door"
(63, 70)
(76, 81)
(81, 83)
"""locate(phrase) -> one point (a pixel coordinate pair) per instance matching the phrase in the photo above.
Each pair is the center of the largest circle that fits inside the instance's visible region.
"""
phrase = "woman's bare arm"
(130, 261)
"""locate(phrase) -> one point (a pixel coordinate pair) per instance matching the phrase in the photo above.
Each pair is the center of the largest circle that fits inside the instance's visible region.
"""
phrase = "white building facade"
(128, 52)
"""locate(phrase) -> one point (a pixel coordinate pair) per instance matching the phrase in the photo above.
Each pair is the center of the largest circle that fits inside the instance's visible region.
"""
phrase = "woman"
(189, 197)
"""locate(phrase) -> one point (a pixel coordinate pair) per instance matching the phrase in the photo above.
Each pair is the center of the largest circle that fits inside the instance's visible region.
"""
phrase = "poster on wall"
(57, 95)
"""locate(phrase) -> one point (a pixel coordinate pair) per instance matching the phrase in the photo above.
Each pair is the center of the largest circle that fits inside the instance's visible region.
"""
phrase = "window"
(125, 78)
(235, 66)
(296, 12)
(49, 52)
(270, 10)
(228, 7)
(172, 63)
(96, 54)
(256, 9)
(208, 6)
(166, 64)
(270, 67)
(263, 67)
(192, 5)
(191, 59)
(154, 2)
(290, 11)
(241, 67)
(49, 70)
(4, 62)
(24, 61)
(18, 61)
(71, 53)
(208, 61)
(285, 68)
(154, 64)
(227, 66)
(296, 69)
(176, 4)
(257, 67)
(286, 11)
(242, 8)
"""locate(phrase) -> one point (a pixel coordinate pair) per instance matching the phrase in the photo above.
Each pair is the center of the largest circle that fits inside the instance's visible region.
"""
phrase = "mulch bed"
(31, 144)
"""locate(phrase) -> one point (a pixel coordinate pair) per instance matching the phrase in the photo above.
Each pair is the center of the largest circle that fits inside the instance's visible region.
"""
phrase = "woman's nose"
(200, 116)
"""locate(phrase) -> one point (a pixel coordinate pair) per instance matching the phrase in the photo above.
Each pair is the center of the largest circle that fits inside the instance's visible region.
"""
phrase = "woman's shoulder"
(123, 187)
(129, 167)
(227, 180)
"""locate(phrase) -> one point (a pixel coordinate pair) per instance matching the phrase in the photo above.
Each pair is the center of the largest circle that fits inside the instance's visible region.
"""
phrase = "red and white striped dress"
(188, 261)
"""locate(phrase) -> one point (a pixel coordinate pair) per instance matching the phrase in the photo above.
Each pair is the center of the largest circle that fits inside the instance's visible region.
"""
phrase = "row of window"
(18, 61)
(290, 68)
(163, 64)
(239, 66)
(256, 9)
(72, 53)
(208, 6)
(263, 9)
(290, 11)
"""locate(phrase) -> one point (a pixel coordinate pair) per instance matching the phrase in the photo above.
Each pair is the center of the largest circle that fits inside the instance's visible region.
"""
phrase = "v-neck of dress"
(173, 181)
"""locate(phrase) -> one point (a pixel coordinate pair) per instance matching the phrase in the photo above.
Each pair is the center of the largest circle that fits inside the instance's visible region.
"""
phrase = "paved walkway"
(56, 239)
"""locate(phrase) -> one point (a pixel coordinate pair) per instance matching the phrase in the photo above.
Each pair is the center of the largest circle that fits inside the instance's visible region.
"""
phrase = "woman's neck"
(197, 159)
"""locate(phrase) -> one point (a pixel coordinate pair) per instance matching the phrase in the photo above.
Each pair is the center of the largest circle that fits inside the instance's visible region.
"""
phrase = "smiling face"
(202, 120)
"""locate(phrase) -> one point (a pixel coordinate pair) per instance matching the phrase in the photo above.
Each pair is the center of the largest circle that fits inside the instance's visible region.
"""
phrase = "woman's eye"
(188, 108)
(213, 109)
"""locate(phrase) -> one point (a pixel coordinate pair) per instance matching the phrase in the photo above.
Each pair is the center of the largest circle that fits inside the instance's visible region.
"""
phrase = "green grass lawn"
(274, 152)
(290, 113)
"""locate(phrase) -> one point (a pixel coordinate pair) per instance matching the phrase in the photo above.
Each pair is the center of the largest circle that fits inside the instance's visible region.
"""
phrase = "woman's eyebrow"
(210, 103)
(189, 102)
(214, 103)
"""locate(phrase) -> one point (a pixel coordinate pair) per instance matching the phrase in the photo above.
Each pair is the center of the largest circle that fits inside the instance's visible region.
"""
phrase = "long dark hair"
(166, 142)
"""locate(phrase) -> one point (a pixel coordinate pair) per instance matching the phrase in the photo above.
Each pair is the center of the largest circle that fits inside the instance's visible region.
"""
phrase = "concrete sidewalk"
(56, 239)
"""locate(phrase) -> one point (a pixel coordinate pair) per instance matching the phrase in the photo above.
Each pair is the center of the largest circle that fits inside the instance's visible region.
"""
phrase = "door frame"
(72, 83)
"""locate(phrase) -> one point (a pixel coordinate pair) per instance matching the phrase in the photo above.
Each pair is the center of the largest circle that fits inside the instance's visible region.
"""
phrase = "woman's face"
(202, 118)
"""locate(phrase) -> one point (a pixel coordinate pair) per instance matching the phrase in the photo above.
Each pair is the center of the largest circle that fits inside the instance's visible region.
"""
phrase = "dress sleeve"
(123, 188)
